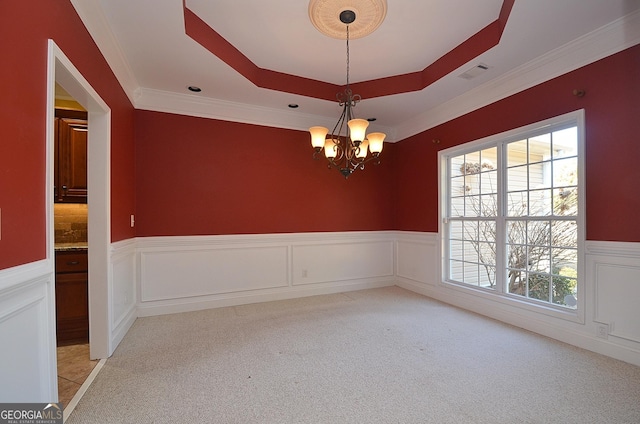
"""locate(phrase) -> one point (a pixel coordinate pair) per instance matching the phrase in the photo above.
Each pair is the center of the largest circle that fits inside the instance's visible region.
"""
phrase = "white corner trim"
(204, 107)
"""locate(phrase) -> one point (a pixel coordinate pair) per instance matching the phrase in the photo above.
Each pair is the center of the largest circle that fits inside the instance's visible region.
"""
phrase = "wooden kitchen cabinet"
(70, 156)
(72, 297)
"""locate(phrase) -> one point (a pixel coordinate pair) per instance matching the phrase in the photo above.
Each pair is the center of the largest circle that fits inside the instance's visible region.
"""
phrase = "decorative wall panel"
(27, 329)
(613, 270)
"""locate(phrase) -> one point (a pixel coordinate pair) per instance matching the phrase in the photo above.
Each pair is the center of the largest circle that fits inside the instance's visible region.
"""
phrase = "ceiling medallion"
(324, 15)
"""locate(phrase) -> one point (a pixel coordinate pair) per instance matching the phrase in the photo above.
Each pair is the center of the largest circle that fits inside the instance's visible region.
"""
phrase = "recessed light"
(371, 119)
(194, 89)
(293, 105)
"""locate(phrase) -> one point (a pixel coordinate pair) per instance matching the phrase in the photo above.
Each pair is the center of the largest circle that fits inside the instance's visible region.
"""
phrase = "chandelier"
(346, 148)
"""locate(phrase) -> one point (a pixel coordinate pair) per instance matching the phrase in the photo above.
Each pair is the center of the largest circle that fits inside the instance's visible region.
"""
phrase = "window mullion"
(501, 230)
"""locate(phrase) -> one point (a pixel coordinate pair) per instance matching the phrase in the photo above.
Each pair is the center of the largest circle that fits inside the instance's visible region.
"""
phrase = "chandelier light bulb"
(318, 135)
(376, 142)
(330, 149)
(362, 153)
(358, 129)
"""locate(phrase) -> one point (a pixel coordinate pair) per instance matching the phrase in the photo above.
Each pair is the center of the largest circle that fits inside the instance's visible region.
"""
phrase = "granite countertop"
(70, 247)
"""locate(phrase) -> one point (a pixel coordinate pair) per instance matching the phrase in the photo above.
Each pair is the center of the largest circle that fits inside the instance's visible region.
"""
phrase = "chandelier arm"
(375, 159)
(349, 113)
(334, 164)
(360, 162)
(340, 124)
(340, 153)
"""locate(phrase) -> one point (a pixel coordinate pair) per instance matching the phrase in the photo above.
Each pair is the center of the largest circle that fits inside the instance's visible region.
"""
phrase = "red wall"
(25, 27)
(201, 176)
(198, 176)
(612, 115)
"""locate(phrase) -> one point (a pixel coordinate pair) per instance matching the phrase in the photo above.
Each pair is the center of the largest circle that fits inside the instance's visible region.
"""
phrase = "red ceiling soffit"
(474, 46)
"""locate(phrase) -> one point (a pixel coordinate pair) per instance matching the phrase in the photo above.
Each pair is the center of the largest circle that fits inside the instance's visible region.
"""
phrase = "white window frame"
(500, 293)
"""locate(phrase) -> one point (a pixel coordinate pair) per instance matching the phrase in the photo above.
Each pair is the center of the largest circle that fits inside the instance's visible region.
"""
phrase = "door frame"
(62, 71)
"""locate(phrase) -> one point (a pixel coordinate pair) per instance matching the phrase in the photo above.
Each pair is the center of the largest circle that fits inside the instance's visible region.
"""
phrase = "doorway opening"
(63, 73)
(70, 211)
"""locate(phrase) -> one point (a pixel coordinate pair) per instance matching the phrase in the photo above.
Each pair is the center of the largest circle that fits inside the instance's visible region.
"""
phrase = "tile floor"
(74, 366)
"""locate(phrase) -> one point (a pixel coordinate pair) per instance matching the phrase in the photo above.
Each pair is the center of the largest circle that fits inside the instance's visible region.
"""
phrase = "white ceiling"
(145, 43)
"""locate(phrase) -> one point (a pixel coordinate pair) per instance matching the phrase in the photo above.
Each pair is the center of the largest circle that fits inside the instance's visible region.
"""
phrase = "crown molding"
(605, 41)
(97, 24)
(204, 107)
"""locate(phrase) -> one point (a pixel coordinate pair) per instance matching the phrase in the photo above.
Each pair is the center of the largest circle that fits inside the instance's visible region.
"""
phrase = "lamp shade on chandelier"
(347, 147)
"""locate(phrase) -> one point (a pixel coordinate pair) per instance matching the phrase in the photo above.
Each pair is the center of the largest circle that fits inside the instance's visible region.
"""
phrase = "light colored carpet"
(373, 356)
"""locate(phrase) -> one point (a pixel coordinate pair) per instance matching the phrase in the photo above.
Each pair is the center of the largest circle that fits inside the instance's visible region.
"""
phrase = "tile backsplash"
(70, 222)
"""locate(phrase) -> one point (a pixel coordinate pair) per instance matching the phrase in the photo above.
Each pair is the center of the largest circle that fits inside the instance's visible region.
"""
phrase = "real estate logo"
(31, 413)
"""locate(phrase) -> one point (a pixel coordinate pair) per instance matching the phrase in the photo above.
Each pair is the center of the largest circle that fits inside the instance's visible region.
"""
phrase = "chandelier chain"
(347, 57)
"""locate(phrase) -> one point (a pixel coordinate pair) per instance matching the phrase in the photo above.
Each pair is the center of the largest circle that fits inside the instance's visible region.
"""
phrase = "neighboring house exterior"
(261, 227)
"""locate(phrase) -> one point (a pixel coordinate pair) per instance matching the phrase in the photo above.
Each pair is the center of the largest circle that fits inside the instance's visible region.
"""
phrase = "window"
(512, 220)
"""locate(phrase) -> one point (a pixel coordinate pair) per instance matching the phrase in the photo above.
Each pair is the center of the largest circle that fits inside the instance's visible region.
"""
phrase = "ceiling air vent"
(474, 72)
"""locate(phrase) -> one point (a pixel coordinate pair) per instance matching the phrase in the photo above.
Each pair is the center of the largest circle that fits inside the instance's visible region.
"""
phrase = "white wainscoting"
(199, 271)
(123, 306)
(158, 275)
(27, 331)
(417, 257)
(613, 272)
(178, 274)
(611, 324)
(28, 322)
(341, 261)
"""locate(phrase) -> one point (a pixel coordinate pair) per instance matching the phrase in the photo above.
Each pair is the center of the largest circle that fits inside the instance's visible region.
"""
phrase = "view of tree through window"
(512, 217)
